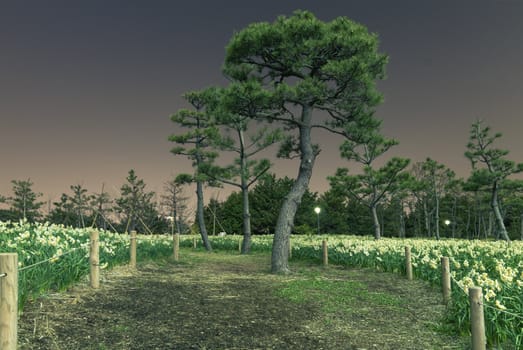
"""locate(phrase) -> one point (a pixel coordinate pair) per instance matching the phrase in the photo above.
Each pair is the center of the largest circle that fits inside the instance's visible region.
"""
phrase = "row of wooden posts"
(9, 288)
(9, 284)
(477, 321)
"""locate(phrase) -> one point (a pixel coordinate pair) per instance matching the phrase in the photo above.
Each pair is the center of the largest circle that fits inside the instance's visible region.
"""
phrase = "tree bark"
(467, 228)
(401, 220)
(246, 245)
(436, 219)
(427, 218)
(490, 228)
(199, 214)
(497, 213)
(375, 220)
(454, 218)
(280, 244)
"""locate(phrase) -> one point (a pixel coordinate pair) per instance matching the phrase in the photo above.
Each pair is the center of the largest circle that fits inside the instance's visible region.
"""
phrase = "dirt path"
(217, 301)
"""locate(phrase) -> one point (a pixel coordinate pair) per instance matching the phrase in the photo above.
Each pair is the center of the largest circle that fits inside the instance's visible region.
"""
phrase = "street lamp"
(317, 211)
(447, 223)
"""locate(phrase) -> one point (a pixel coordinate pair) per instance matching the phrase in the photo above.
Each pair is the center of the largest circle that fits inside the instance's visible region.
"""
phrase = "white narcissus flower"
(489, 294)
(499, 305)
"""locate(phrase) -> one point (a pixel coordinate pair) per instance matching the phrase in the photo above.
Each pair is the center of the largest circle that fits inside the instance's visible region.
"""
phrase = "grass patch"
(230, 301)
(334, 295)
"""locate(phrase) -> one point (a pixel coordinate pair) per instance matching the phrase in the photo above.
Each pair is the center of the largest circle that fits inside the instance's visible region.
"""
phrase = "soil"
(225, 301)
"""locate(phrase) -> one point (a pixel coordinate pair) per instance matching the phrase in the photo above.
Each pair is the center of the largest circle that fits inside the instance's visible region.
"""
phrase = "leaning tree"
(490, 167)
(324, 74)
(195, 144)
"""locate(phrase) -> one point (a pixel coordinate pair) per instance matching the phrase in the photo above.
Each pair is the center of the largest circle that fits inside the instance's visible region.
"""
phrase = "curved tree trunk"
(454, 218)
(436, 214)
(280, 244)
(376, 222)
(427, 218)
(401, 220)
(497, 213)
(490, 229)
(199, 214)
(246, 245)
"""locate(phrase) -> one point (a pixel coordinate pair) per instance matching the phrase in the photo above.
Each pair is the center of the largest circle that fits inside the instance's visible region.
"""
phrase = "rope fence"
(474, 297)
(9, 286)
(476, 303)
(9, 281)
(53, 258)
(503, 311)
(519, 316)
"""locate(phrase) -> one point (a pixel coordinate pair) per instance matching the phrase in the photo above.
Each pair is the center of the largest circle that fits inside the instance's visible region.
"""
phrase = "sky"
(87, 88)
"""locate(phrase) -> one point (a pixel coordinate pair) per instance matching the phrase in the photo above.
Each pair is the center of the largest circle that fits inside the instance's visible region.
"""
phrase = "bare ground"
(219, 301)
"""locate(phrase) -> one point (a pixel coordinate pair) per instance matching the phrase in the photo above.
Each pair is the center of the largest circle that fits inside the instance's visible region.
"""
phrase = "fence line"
(503, 311)
(57, 257)
(474, 294)
(487, 305)
(94, 259)
(458, 284)
(9, 283)
(8, 301)
(132, 260)
(53, 258)
(132, 239)
(477, 319)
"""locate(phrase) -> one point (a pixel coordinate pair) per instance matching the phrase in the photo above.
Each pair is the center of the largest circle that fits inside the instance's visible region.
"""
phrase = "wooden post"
(94, 260)
(8, 301)
(408, 263)
(445, 279)
(132, 262)
(477, 321)
(194, 242)
(325, 253)
(176, 247)
(240, 244)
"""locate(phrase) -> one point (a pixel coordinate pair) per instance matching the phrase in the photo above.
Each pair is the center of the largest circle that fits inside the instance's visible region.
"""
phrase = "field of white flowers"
(496, 267)
(53, 257)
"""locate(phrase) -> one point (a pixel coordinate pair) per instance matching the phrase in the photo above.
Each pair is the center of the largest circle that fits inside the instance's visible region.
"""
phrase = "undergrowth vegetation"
(52, 257)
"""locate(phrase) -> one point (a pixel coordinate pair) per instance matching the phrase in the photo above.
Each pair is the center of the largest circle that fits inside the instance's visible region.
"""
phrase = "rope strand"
(484, 304)
(47, 260)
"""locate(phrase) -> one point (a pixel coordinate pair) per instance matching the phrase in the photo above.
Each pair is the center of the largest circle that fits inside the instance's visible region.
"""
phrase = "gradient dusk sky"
(87, 87)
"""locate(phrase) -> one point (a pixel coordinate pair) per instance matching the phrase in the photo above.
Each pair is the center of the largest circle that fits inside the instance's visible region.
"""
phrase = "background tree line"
(134, 209)
(428, 200)
(431, 202)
